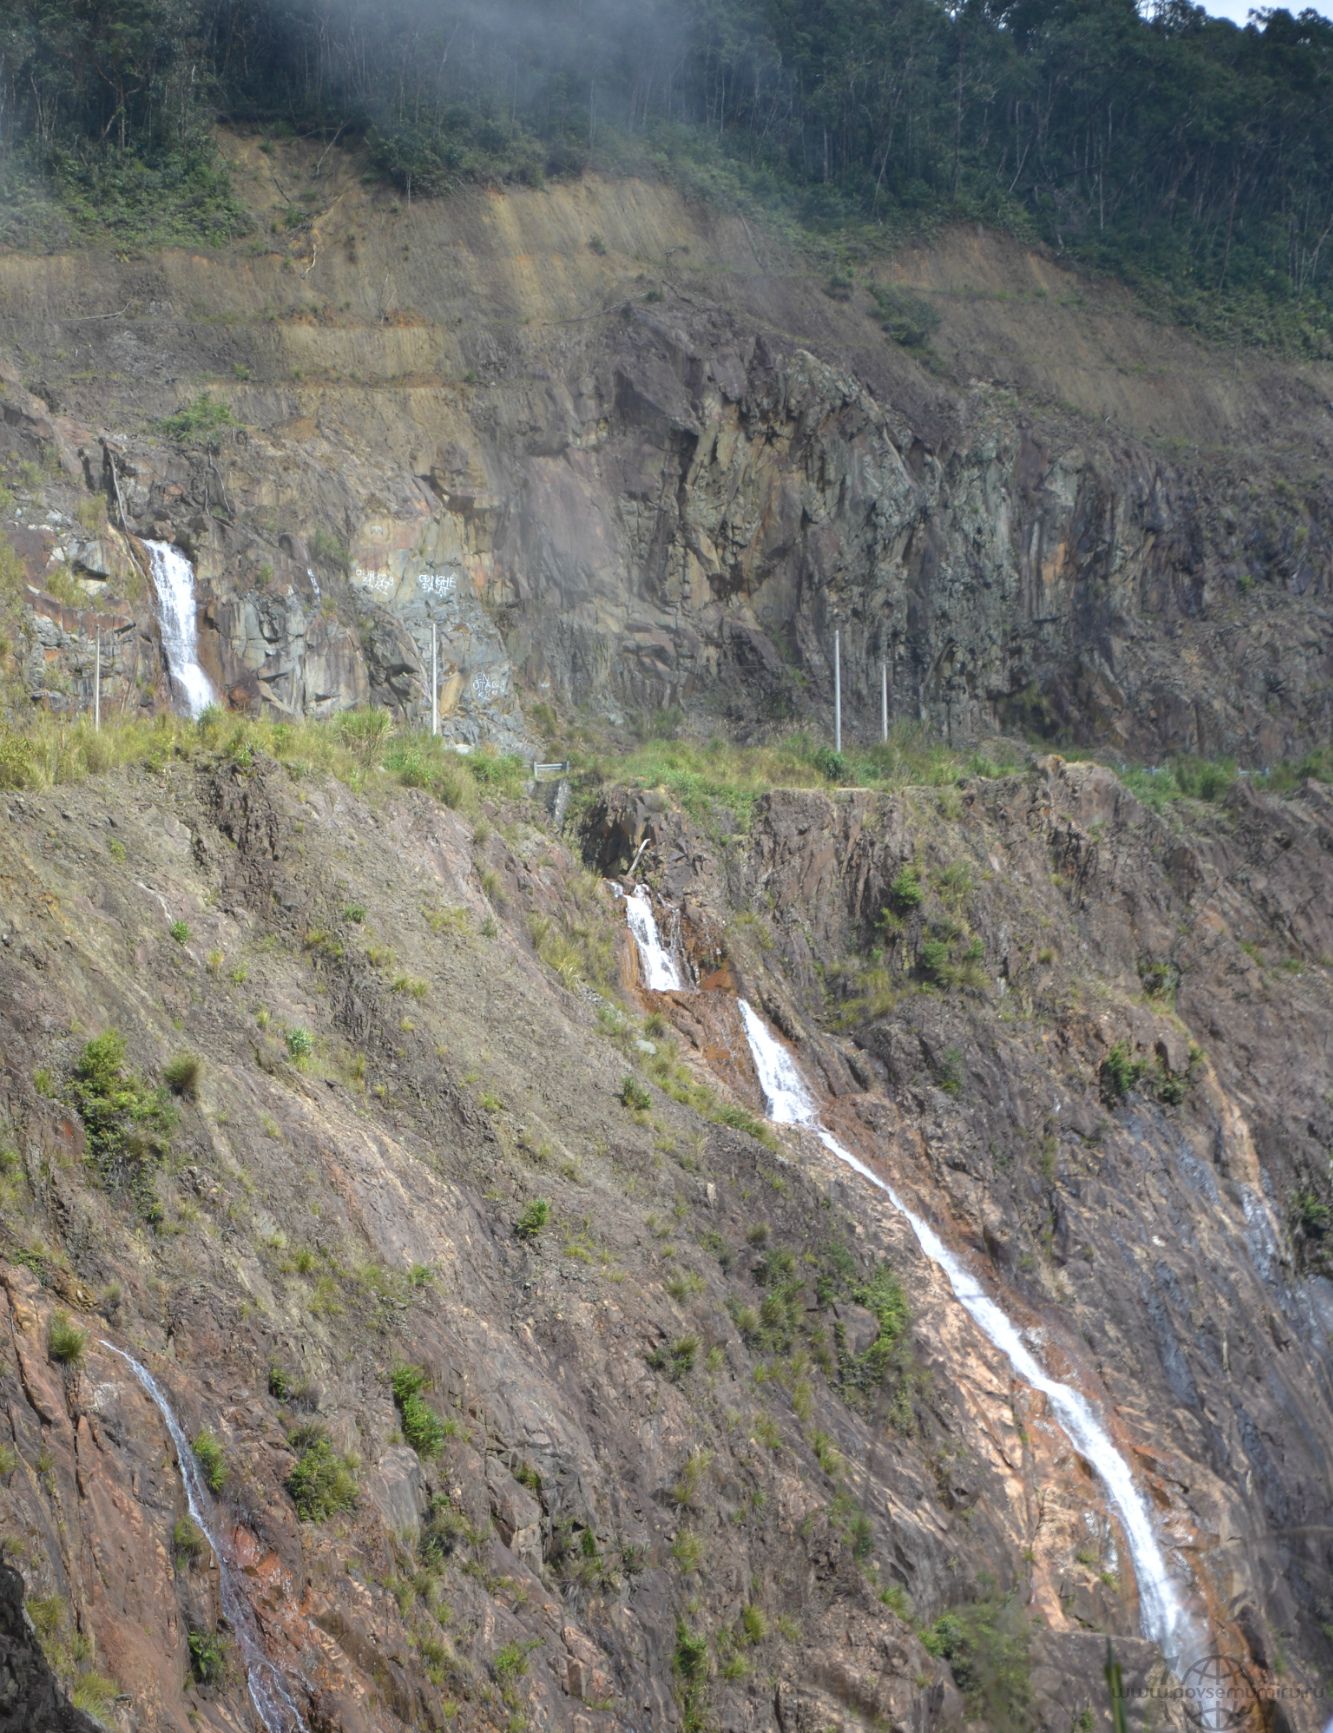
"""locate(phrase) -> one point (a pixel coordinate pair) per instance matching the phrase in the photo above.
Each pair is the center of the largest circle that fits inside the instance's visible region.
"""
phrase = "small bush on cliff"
(200, 422)
(422, 1427)
(181, 1075)
(533, 1219)
(208, 1657)
(322, 1484)
(634, 1096)
(987, 1646)
(126, 1122)
(66, 1343)
(906, 891)
(212, 1459)
(1119, 1073)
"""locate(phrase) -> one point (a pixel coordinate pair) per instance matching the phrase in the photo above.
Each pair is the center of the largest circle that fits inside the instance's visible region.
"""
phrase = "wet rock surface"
(655, 1420)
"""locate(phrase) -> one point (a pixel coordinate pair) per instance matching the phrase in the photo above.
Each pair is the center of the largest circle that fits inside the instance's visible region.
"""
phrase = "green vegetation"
(127, 1123)
(1182, 778)
(201, 422)
(986, 1644)
(212, 1459)
(300, 1043)
(675, 1360)
(718, 779)
(1051, 118)
(323, 1483)
(634, 1096)
(187, 1542)
(691, 1668)
(534, 1218)
(208, 1657)
(181, 1075)
(422, 1427)
(906, 892)
(180, 931)
(66, 1343)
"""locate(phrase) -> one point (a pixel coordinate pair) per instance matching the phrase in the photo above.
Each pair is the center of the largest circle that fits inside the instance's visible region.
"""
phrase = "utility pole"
(434, 678)
(97, 686)
(883, 699)
(837, 691)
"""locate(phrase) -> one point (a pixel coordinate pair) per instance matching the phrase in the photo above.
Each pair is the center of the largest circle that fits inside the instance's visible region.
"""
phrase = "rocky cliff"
(698, 1437)
(632, 455)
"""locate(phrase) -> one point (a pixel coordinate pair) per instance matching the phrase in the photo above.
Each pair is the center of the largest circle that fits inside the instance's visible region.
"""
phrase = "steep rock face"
(1118, 1103)
(621, 452)
(30, 1699)
(669, 1476)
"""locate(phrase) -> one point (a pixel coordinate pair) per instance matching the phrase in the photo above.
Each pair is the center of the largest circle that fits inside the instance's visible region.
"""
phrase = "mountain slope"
(673, 1479)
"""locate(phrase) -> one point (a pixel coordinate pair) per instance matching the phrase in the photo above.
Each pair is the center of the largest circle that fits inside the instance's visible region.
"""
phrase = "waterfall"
(661, 972)
(1165, 1618)
(270, 1696)
(173, 579)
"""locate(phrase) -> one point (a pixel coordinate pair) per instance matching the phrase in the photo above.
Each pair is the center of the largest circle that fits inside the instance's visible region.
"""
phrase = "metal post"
(434, 678)
(837, 691)
(883, 699)
(97, 687)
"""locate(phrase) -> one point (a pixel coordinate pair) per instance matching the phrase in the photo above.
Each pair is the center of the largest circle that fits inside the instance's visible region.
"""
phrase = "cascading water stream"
(1166, 1619)
(661, 972)
(270, 1696)
(173, 580)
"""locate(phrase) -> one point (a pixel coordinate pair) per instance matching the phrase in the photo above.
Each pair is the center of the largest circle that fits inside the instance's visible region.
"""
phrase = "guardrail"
(547, 772)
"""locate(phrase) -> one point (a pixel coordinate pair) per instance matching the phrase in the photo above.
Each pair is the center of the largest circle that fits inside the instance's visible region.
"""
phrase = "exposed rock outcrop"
(30, 1699)
(664, 491)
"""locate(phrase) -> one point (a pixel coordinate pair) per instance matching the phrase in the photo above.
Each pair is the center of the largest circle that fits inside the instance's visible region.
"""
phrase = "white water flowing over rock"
(1166, 1620)
(270, 1696)
(661, 972)
(173, 579)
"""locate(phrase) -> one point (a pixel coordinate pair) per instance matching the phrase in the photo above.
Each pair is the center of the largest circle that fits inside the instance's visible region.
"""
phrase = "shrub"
(987, 1647)
(187, 1541)
(180, 931)
(127, 1124)
(1120, 1071)
(212, 1459)
(422, 1427)
(634, 1096)
(200, 422)
(906, 892)
(691, 1666)
(322, 1484)
(903, 316)
(66, 1343)
(181, 1075)
(677, 1360)
(300, 1043)
(208, 1657)
(533, 1219)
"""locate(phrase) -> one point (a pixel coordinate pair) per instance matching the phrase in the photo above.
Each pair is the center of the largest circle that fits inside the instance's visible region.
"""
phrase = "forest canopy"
(1177, 150)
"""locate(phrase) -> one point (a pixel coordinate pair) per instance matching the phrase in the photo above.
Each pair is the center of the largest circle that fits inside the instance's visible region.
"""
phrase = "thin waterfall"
(173, 580)
(661, 972)
(1166, 1619)
(269, 1694)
